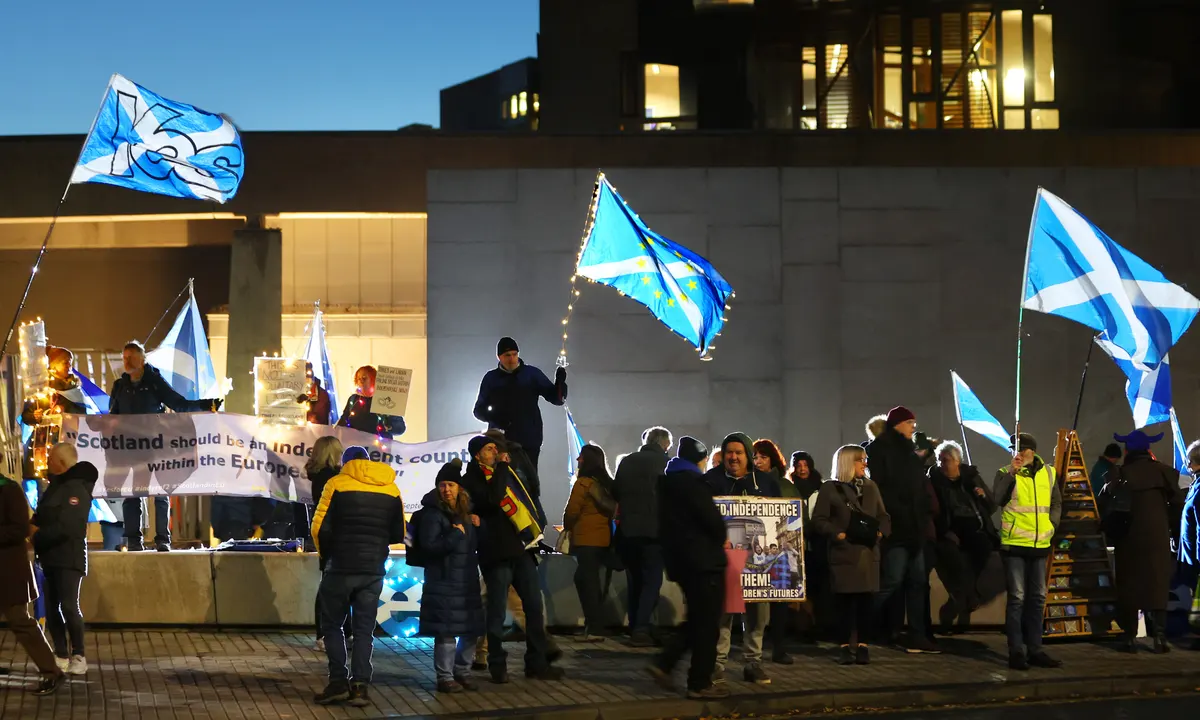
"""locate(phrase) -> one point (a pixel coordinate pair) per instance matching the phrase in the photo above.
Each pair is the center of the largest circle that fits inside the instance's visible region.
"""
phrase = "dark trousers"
(63, 618)
(902, 575)
(132, 510)
(643, 561)
(590, 561)
(356, 596)
(959, 569)
(704, 595)
(854, 617)
(29, 636)
(930, 562)
(1025, 581)
(521, 575)
(781, 617)
(1156, 622)
(347, 629)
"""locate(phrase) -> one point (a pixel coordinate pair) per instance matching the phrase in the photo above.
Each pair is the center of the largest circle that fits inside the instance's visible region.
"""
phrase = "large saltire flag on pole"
(1147, 388)
(316, 352)
(143, 141)
(1073, 270)
(183, 357)
(974, 416)
(683, 290)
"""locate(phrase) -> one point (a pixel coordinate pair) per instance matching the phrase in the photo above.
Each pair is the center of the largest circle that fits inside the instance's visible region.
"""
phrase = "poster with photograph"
(771, 533)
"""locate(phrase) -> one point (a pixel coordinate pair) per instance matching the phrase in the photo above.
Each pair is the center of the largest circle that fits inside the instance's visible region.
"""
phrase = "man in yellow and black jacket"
(1030, 509)
(359, 515)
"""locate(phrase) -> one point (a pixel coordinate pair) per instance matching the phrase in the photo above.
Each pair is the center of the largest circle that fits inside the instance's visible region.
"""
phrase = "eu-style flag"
(574, 445)
(316, 352)
(680, 288)
(974, 416)
(1075, 271)
(183, 358)
(1147, 388)
(143, 141)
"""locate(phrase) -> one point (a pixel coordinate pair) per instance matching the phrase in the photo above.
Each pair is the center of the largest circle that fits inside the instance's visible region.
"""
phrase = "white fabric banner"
(237, 455)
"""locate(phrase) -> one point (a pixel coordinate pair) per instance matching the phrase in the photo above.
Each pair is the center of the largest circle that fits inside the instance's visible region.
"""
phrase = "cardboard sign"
(278, 382)
(391, 390)
(35, 369)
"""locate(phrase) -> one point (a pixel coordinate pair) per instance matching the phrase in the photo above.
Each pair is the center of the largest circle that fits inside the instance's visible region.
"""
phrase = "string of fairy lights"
(573, 296)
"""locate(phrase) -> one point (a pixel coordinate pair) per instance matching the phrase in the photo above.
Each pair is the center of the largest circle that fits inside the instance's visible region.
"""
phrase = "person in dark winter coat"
(509, 393)
(737, 476)
(853, 566)
(817, 614)
(359, 515)
(357, 414)
(60, 543)
(694, 540)
(636, 491)
(505, 563)
(966, 535)
(1144, 563)
(19, 587)
(451, 604)
(900, 475)
(142, 390)
(1104, 465)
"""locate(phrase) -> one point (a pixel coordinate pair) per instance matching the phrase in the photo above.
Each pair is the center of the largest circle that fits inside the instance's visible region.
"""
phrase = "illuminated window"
(512, 106)
(504, 110)
(953, 79)
(1044, 119)
(981, 77)
(522, 103)
(922, 111)
(709, 4)
(662, 94)
(537, 105)
(1014, 59)
(839, 92)
(1043, 58)
(808, 93)
(891, 89)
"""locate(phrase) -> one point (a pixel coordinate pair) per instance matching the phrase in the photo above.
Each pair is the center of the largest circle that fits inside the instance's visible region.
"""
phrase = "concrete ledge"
(149, 589)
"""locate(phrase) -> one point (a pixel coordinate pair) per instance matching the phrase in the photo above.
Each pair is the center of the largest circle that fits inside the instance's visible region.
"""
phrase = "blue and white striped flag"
(574, 445)
(94, 399)
(683, 290)
(1180, 444)
(974, 416)
(183, 357)
(1147, 388)
(143, 141)
(1073, 270)
(316, 352)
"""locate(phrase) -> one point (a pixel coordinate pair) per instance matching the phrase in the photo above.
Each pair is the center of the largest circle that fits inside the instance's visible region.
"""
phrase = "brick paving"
(181, 674)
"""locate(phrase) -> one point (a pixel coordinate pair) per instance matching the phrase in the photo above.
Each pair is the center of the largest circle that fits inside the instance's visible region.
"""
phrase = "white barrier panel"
(235, 455)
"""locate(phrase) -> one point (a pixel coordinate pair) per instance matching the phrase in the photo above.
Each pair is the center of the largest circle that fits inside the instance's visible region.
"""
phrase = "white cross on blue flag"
(316, 352)
(143, 141)
(1148, 388)
(974, 416)
(183, 358)
(1073, 270)
(574, 445)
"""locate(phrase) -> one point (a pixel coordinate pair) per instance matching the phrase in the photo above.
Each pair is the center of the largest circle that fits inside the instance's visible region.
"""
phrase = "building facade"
(507, 99)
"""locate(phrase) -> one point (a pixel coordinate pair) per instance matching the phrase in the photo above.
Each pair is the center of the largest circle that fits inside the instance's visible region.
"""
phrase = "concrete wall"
(858, 289)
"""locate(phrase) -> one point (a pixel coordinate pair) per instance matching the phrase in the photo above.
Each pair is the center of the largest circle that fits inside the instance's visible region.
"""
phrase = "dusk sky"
(269, 64)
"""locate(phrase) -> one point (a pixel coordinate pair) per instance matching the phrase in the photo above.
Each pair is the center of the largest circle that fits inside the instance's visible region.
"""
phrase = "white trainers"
(77, 665)
(62, 663)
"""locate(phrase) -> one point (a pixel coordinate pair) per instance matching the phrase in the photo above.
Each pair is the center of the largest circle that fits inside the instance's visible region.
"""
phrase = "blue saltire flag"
(574, 445)
(94, 399)
(183, 357)
(143, 141)
(681, 289)
(974, 416)
(1147, 388)
(316, 352)
(1181, 463)
(1073, 270)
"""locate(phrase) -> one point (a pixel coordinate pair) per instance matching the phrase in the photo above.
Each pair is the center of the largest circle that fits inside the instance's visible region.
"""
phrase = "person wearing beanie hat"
(1142, 550)
(355, 452)
(635, 487)
(445, 536)
(1030, 508)
(1104, 465)
(360, 514)
(509, 394)
(899, 473)
(693, 545)
(737, 476)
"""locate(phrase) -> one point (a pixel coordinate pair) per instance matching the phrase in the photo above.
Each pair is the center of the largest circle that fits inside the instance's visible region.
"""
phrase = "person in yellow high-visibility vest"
(1030, 508)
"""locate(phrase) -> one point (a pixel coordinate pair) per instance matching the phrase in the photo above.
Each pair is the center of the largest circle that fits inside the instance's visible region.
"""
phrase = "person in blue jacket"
(509, 393)
(1189, 530)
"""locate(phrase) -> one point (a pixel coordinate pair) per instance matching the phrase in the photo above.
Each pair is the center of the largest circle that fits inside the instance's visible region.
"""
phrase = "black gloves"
(560, 376)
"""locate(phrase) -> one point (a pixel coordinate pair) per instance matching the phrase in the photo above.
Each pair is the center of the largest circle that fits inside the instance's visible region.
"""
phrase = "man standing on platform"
(509, 393)
(636, 492)
(142, 390)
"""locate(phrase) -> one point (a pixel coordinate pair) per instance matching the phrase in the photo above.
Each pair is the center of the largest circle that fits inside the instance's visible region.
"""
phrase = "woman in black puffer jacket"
(451, 602)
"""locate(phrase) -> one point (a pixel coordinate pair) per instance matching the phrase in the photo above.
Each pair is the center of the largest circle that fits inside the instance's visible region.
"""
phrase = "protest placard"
(391, 390)
(278, 383)
(771, 531)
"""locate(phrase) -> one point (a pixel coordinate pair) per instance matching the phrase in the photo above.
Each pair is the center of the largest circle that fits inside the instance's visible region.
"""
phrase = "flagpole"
(574, 294)
(1083, 381)
(53, 221)
(1020, 322)
(186, 289)
(958, 413)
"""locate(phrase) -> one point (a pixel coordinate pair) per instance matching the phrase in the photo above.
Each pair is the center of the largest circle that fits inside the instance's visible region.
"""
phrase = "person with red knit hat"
(900, 474)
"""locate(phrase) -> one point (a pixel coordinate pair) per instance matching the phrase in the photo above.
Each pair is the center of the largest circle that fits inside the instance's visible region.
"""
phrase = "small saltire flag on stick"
(974, 416)
(683, 290)
(143, 141)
